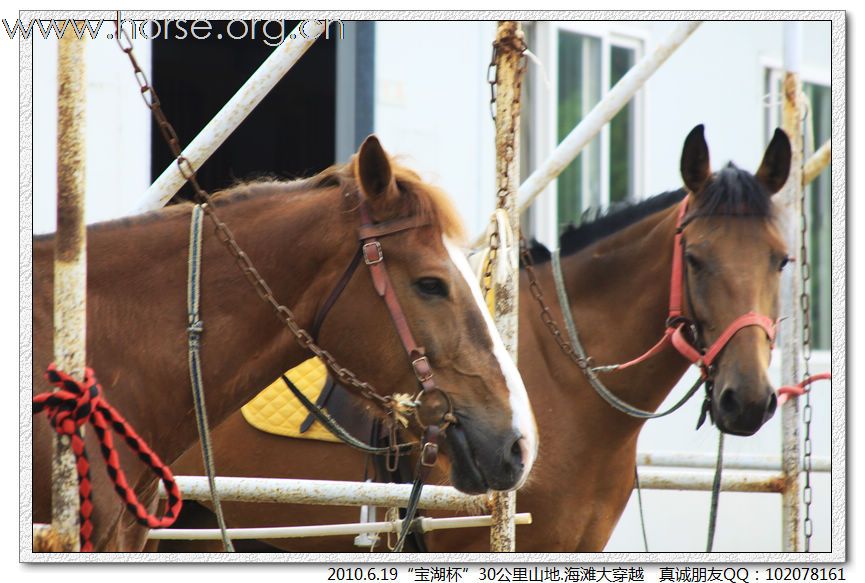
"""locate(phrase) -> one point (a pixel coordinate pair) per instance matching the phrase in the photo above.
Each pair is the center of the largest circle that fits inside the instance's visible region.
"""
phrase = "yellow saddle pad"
(275, 409)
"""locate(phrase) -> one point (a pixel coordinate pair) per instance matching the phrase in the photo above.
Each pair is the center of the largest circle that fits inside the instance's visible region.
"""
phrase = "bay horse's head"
(493, 442)
(734, 254)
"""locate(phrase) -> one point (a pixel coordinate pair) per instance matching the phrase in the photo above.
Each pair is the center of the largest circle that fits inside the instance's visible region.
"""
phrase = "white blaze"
(523, 418)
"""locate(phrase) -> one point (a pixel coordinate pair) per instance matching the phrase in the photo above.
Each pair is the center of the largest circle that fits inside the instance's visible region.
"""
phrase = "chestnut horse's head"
(493, 443)
(734, 254)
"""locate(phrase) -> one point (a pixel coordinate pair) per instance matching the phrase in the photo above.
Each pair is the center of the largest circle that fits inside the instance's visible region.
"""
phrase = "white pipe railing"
(232, 114)
(425, 524)
(732, 461)
(329, 492)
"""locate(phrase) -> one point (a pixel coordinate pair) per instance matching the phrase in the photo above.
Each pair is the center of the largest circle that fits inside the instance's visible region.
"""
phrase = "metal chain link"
(805, 306)
(501, 203)
(503, 179)
(547, 314)
(225, 236)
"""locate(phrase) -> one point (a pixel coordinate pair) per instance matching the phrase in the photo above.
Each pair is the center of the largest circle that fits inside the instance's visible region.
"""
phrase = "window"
(582, 62)
(818, 126)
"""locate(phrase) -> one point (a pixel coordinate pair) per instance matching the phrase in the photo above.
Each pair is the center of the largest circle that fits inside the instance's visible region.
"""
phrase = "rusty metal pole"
(70, 271)
(509, 71)
(790, 330)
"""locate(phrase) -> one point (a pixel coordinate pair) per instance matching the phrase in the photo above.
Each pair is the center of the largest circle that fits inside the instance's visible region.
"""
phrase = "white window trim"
(544, 114)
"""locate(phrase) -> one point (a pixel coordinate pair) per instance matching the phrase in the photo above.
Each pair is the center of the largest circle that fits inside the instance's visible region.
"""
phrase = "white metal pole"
(233, 113)
(818, 162)
(426, 525)
(603, 112)
(70, 281)
(732, 461)
(329, 492)
(510, 43)
(790, 330)
(731, 481)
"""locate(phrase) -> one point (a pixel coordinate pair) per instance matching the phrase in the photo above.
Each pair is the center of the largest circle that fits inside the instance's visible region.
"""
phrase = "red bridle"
(675, 334)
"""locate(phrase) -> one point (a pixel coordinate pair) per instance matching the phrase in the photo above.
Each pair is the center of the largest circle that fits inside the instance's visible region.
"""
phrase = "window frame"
(544, 111)
(772, 70)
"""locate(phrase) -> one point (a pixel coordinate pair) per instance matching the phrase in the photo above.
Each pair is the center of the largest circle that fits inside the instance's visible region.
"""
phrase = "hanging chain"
(501, 202)
(547, 314)
(805, 306)
(503, 179)
(225, 236)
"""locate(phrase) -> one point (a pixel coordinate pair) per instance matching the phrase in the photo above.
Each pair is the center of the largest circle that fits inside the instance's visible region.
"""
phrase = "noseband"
(432, 406)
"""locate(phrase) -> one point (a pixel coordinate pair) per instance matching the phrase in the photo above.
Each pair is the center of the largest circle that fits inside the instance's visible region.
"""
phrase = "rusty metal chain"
(537, 293)
(807, 410)
(547, 314)
(503, 178)
(225, 236)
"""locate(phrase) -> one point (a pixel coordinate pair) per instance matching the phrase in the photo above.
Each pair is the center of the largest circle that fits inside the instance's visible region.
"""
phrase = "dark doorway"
(290, 134)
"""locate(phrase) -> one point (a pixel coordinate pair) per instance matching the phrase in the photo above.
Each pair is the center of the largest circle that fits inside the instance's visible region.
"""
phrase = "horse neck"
(619, 289)
(244, 346)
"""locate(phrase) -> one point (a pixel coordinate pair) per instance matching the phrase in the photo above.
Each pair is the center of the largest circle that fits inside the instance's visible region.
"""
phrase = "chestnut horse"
(617, 272)
(300, 235)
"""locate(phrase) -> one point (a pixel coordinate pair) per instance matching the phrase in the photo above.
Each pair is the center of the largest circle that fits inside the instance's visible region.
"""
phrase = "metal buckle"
(368, 258)
(429, 454)
(417, 374)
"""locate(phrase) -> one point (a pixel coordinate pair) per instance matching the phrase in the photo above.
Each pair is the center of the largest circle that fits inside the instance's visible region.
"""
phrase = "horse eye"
(693, 261)
(784, 263)
(432, 286)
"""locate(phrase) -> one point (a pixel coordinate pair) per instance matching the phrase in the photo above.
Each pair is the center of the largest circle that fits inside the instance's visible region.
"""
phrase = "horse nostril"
(729, 402)
(771, 405)
(515, 453)
(517, 450)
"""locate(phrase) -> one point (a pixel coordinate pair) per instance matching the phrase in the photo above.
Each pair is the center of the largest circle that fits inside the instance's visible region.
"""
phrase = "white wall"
(117, 128)
(717, 78)
(432, 107)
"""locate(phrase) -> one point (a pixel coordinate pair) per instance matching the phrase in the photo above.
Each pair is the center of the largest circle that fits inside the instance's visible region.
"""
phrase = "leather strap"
(677, 274)
(676, 322)
(334, 295)
(374, 259)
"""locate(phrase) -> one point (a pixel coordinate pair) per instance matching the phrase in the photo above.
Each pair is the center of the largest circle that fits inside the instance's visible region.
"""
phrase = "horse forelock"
(733, 192)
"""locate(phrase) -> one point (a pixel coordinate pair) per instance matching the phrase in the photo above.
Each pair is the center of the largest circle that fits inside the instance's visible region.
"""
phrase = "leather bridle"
(433, 408)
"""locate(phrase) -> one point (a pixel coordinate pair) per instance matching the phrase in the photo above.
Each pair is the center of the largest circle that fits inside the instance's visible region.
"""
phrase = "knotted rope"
(75, 404)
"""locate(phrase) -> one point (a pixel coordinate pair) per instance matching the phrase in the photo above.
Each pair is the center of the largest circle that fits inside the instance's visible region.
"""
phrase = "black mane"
(731, 191)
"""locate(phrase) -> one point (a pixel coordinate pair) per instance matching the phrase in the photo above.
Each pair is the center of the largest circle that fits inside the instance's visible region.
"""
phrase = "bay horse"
(300, 235)
(617, 273)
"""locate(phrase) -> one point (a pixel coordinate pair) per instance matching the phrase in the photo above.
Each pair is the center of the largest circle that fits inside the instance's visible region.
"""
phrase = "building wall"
(432, 107)
(117, 132)
(717, 79)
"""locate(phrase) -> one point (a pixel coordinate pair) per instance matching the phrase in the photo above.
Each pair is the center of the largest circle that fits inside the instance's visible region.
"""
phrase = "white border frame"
(839, 309)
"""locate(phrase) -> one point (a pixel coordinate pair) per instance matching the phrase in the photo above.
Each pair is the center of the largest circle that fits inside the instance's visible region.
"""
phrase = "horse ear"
(775, 166)
(374, 174)
(695, 160)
